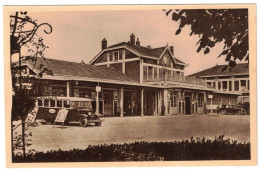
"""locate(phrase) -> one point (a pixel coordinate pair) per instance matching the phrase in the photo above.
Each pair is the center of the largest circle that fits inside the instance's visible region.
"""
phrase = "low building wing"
(66, 68)
(239, 69)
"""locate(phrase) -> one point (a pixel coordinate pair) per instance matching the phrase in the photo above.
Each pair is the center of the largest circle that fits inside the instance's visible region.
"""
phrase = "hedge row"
(193, 149)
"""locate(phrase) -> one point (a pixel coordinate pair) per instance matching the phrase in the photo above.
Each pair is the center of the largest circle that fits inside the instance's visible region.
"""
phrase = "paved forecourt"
(130, 129)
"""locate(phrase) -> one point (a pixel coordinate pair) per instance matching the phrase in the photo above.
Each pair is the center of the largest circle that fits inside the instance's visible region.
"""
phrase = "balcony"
(179, 79)
(196, 81)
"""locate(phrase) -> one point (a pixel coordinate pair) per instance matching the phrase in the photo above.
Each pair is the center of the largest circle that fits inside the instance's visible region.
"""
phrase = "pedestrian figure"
(218, 109)
(163, 110)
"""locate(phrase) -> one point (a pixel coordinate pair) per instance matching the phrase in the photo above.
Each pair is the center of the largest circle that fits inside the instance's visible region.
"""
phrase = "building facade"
(234, 80)
(134, 81)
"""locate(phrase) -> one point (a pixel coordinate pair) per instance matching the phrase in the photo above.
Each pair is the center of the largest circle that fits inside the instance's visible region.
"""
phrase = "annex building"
(127, 79)
(235, 80)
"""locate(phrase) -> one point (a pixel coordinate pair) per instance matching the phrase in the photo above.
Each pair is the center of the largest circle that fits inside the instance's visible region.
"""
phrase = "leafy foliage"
(23, 36)
(229, 26)
(193, 149)
(18, 141)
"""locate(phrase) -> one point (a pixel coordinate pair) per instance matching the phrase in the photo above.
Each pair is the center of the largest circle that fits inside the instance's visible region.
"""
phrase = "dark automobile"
(239, 109)
(79, 110)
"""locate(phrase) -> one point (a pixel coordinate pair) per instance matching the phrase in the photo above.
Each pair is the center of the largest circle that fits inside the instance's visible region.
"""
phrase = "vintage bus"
(79, 110)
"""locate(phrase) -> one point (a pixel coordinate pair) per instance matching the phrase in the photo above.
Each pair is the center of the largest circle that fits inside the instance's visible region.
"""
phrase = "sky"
(77, 35)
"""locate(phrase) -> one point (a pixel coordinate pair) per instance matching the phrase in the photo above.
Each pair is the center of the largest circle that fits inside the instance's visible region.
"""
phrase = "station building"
(127, 79)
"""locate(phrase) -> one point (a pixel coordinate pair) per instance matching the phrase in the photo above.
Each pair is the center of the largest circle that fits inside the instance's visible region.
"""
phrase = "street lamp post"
(16, 43)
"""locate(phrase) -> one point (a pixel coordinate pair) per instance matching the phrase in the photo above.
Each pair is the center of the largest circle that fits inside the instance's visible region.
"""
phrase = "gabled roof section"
(66, 68)
(141, 50)
(180, 62)
(154, 53)
(144, 51)
(239, 69)
(177, 61)
(118, 44)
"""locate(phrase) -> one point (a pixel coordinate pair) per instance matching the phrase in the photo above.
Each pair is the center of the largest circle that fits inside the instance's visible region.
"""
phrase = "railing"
(190, 80)
(196, 81)
(181, 79)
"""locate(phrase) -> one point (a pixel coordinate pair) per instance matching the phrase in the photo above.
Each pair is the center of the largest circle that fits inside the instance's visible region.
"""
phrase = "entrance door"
(115, 107)
(127, 103)
(108, 102)
(149, 103)
(187, 106)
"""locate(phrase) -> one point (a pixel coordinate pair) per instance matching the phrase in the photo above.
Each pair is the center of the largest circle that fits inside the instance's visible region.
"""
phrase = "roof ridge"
(217, 67)
(58, 60)
(116, 44)
(159, 47)
(61, 67)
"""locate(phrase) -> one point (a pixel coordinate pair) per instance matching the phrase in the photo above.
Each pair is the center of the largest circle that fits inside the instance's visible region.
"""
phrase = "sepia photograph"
(130, 83)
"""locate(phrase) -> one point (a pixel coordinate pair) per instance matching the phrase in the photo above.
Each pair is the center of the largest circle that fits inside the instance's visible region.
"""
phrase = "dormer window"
(116, 56)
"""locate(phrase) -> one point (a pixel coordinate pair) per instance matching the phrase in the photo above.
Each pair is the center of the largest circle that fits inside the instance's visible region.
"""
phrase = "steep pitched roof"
(241, 68)
(179, 61)
(66, 68)
(149, 51)
(145, 51)
(118, 44)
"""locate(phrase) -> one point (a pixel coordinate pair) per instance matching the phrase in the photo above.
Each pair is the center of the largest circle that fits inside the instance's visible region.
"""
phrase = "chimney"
(132, 40)
(149, 47)
(137, 42)
(104, 44)
(172, 50)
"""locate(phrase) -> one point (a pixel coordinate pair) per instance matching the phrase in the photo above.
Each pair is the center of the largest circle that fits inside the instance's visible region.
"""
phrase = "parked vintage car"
(239, 109)
(79, 110)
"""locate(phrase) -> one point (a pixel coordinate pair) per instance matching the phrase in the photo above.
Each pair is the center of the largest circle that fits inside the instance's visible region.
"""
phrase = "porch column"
(220, 100)
(180, 109)
(141, 71)
(216, 83)
(211, 110)
(68, 89)
(97, 103)
(159, 102)
(122, 102)
(155, 103)
(142, 102)
(165, 101)
(247, 85)
(205, 102)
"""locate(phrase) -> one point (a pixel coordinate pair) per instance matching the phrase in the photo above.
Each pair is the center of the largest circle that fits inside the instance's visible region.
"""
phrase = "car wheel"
(49, 122)
(223, 112)
(98, 123)
(83, 122)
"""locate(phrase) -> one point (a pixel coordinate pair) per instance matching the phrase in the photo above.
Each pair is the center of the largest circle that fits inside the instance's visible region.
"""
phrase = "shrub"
(193, 149)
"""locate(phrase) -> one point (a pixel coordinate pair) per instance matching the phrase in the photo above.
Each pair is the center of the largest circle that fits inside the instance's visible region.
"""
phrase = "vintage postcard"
(130, 85)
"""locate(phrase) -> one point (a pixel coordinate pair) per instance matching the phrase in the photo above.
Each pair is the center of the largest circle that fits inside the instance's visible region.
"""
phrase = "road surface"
(130, 129)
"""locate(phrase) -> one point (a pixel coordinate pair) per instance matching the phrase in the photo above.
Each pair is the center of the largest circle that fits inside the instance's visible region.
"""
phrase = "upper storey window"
(116, 56)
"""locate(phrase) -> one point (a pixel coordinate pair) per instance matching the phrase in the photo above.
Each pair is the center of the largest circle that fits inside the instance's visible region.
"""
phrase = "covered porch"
(109, 99)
